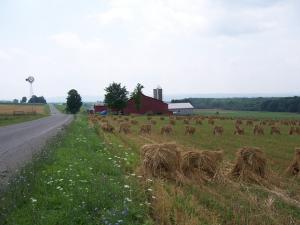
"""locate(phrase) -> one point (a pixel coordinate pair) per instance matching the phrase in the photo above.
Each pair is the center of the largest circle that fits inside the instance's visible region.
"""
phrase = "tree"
(35, 99)
(116, 96)
(74, 102)
(136, 95)
(15, 101)
(23, 100)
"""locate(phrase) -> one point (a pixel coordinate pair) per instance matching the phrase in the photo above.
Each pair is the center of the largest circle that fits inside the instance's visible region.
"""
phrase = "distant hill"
(271, 104)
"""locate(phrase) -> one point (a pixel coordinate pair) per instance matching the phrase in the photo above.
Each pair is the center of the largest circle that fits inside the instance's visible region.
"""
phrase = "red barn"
(148, 105)
(100, 108)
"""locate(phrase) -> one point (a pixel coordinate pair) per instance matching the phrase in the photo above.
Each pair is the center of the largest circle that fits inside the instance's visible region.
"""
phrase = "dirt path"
(19, 142)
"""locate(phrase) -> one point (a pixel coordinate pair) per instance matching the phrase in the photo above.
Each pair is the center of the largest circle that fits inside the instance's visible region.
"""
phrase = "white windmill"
(30, 80)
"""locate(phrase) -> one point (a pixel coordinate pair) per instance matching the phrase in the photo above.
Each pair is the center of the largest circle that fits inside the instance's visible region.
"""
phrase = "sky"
(186, 46)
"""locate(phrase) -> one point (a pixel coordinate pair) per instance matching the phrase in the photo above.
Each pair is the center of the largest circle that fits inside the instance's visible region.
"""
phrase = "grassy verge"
(79, 179)
(61, 108)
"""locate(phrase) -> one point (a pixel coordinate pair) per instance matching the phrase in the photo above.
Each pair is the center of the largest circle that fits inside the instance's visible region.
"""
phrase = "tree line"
(116, 98)
(33, 99)
(275, 104)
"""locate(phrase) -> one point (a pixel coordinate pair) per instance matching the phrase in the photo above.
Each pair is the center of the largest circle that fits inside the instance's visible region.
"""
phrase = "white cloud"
(4, 55)
(157, 18)
(186, 46)
(71, 40)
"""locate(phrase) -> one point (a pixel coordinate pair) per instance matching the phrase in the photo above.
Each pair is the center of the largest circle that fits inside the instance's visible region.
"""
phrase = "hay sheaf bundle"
(161, 160)
(201, 166)
(294, 168)
(107, 127)
(250, 166)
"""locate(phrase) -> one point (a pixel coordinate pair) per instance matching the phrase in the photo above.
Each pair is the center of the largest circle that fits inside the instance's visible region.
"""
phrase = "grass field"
(17, 113)
(247, 114)
(93, 177)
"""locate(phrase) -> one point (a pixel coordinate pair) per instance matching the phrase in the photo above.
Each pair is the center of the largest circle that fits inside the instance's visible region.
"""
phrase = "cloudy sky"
(185, 46)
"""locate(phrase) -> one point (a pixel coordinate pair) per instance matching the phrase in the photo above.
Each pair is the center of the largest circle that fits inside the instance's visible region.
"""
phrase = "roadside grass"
(60, 107)
(247, 114)
(47, 109)
(78, 179)
(227, 202)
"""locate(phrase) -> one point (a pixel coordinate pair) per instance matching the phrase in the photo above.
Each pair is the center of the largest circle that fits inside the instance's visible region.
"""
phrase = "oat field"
(216, 201)
(10, 109)
(17, 113)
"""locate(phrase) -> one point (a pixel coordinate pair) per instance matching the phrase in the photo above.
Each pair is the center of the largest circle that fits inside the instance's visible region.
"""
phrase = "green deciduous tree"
(74, 102)
(35, 99)
(23, 100)
(136, 95)
(116, 96)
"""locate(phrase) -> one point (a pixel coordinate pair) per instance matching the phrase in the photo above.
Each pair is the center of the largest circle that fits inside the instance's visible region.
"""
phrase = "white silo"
(158, 93)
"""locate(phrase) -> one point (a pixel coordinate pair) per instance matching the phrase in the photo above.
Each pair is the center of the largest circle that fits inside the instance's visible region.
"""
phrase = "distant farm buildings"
(100, 107)
(181, 108)
(148, 105)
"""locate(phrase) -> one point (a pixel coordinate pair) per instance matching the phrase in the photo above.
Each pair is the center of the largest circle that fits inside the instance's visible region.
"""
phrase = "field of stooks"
(212, 169)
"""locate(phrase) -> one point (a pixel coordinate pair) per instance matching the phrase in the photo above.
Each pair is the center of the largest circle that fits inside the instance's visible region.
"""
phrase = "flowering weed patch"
(78, 180)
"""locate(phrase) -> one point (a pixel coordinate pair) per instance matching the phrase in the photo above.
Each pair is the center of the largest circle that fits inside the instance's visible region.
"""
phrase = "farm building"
(181, 108)
(100, 107)
(148, 105)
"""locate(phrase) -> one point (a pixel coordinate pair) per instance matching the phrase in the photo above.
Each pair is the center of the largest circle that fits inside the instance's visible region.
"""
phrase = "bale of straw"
(161, 160)
(124, 127)
(172, 122)
(201, 166)
(166, 129)
(153, 122)
(294, 167)
(134, 122)
(107, 127)
(250, 166)
(145, 129)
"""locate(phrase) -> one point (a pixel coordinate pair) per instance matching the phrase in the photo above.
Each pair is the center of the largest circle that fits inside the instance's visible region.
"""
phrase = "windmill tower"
(30, 80)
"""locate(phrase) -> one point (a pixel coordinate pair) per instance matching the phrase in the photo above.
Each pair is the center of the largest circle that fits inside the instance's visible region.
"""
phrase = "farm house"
(181, 108)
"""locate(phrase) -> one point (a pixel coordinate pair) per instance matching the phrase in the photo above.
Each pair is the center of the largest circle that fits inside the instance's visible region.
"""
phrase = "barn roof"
(180, 106)
(100, 104)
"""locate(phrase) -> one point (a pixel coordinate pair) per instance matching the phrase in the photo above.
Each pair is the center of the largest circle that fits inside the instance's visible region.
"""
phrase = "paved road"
(20, 141)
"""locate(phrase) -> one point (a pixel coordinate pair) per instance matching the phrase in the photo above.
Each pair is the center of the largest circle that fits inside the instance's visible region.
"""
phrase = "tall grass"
(78, 179)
